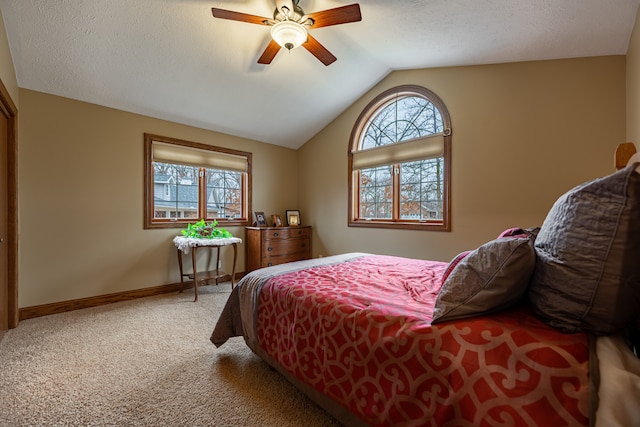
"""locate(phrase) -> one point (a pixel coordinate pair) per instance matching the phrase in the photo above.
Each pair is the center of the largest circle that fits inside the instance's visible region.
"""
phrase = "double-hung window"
(400, 162)
(188, 181)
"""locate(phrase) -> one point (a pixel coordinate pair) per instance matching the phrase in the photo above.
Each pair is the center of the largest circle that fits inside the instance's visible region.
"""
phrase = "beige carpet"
(147, 362)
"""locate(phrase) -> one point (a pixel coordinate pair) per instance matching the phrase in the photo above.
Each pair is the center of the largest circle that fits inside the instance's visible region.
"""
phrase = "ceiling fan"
(289, 27)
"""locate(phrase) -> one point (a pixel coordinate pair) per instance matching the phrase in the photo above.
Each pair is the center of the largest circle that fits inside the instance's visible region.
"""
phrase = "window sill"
(424, 226)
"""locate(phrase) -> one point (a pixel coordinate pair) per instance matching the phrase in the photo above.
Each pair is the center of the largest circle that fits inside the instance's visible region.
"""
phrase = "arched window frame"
(369, 112)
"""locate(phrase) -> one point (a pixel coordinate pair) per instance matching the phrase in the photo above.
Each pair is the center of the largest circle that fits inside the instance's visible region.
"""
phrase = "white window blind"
(428, 147)
(172, 153)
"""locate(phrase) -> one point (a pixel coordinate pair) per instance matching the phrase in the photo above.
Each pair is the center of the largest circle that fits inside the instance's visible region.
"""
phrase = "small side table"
(187, 244)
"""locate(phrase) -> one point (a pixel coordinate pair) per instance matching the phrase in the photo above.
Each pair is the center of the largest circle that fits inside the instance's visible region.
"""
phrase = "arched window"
(400, 162)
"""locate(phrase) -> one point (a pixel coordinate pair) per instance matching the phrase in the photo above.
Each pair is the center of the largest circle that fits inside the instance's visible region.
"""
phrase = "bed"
(500, 335)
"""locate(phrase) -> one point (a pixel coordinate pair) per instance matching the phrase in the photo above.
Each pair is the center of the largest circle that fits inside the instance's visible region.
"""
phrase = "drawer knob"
(269, 264)
(269, 249)
(275, 234)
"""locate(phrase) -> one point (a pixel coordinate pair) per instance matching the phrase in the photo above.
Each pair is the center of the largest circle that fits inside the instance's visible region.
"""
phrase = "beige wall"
(7, 71)
(633, 85)
(80, 196)
(523, 134)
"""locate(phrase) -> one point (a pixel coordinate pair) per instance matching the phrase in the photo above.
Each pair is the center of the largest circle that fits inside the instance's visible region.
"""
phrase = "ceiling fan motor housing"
(287, 10)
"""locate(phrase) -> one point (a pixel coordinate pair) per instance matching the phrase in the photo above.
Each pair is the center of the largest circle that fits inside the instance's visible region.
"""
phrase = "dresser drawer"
(280, 247)
(281, 259)
(286, 233)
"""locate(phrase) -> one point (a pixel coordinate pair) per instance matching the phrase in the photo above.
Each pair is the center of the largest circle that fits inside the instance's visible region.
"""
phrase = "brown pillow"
(587, 276)
(491, 278)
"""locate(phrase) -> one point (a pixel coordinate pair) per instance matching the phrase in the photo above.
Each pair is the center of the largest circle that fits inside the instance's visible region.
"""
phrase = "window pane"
(175, 191)
(376, 193)
(224, 194)
(421, 189)
(417, 117)
(405, 118)
(381, 131)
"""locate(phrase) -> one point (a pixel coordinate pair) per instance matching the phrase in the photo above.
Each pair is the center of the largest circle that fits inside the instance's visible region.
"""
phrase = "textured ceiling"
(172, 60)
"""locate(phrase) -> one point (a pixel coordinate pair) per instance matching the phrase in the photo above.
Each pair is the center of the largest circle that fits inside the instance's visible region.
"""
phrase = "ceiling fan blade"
(269, 53)
(238, 16)
(335, 16)
(319, 51)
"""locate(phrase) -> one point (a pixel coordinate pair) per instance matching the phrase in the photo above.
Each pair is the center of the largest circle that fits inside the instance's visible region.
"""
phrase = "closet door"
(4, 228)
(8, 212)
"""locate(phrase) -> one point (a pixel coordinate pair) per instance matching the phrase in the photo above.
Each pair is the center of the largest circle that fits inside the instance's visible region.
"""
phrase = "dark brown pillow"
(587, 276)
(491, 278)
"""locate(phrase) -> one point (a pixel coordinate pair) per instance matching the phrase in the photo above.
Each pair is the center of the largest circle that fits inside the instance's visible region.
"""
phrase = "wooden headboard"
(624, 153)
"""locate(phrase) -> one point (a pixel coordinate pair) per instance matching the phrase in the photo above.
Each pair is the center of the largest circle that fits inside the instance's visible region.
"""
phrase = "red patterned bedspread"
(359, 332)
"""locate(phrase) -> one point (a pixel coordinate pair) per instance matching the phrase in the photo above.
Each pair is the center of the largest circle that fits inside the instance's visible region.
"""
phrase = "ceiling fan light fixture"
(289, 34)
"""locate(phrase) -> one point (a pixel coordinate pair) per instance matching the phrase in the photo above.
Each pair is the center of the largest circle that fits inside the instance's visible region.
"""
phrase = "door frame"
(9, 110)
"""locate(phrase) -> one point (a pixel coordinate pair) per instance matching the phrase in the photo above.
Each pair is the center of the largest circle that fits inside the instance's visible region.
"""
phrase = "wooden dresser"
(267, 246)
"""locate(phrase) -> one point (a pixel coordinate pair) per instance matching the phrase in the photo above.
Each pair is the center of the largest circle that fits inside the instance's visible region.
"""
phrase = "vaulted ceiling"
(173, 60)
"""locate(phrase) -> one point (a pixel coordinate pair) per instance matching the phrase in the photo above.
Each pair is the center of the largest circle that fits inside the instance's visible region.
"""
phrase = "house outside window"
(187, 181)
(399, 162)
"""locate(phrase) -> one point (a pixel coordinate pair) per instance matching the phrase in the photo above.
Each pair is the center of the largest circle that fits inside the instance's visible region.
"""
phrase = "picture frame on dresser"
(293, 218)
(261, 220)
(277, 221)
